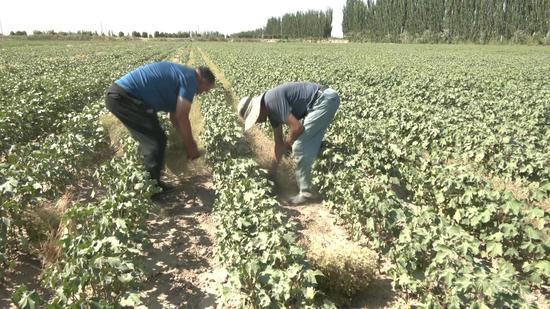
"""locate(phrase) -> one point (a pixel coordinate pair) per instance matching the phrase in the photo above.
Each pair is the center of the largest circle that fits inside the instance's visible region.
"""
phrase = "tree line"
(134, 34)
(309, 24)
(479, 21)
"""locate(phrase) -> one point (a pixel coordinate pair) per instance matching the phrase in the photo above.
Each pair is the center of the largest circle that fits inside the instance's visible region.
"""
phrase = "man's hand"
(180, 119)
(272, 172)
(280, 150)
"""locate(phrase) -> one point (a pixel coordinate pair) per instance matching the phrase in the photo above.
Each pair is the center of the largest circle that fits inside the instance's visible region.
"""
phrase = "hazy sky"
(159, 15)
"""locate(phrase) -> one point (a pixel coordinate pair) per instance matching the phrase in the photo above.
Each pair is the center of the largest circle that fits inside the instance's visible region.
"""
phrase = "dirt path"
(315, 223)
(179, 257)
(27, 271)
(183, 273)
(181, 251)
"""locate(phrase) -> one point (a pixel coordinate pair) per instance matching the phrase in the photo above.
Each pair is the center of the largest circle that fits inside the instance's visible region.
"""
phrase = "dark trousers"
(143, 124)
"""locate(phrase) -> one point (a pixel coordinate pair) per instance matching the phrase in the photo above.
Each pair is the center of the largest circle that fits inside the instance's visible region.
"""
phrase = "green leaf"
(543, 267)
(494, 249)
(131, 300)
(532, 233)
(25, 299)
(125, 278)
(310, 293)
(439, 197)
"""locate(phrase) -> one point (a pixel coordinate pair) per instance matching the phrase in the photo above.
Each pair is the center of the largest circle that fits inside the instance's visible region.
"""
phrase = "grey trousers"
(306, 147)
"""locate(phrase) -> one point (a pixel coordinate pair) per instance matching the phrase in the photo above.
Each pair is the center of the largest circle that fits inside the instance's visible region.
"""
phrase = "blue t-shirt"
(159, 84)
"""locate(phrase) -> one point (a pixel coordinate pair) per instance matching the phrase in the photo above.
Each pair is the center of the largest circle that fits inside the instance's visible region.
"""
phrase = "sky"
(159, 15)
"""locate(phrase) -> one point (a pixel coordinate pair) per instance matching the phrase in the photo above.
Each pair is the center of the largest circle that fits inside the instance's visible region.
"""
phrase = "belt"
(117, 89)
(317, 94)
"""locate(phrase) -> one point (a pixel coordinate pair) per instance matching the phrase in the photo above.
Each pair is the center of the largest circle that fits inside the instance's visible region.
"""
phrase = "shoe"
(166, 188)
(302, 197)
(156, 197)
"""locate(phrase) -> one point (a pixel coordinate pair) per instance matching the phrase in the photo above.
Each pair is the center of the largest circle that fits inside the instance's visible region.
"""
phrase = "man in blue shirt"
(307, 109)
(158, 87)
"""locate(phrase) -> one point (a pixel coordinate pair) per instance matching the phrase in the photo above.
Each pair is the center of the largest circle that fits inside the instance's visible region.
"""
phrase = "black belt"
(317, 94)
(115, 88)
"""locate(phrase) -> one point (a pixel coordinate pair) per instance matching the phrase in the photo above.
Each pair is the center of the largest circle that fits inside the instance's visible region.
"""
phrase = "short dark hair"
(207, 74)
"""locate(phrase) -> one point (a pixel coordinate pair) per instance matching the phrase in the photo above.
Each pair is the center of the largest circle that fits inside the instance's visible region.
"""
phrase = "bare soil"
(182, 271)
(27, 271)
(179, 258)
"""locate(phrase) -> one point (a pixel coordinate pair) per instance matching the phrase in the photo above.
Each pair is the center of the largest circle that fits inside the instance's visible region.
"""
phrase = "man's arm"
(282, 145)
(295, 130)
(180, 120)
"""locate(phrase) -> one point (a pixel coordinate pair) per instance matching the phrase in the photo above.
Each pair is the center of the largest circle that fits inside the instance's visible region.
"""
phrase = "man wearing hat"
(136, 98)
(307, 109)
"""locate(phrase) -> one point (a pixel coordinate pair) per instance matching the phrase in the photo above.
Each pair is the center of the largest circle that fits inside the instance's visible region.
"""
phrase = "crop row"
(40, 87)
(38, 171)
(395, 173)
(255, 241)
(101, 241)
(35, 172)
(102, 237)
(487, 108)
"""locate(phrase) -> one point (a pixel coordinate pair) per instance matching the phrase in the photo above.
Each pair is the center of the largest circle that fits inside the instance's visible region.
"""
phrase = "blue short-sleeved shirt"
(159, 84)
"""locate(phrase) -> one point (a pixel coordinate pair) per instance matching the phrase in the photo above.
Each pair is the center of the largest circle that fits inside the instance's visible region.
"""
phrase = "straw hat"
(249, 110)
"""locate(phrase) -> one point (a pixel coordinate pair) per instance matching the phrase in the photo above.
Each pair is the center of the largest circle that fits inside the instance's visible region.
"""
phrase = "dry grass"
(348, 266)
(116, 131)
(176, 158)
(517, 188)
(545, 205)
(47, 220)
(347, 269)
